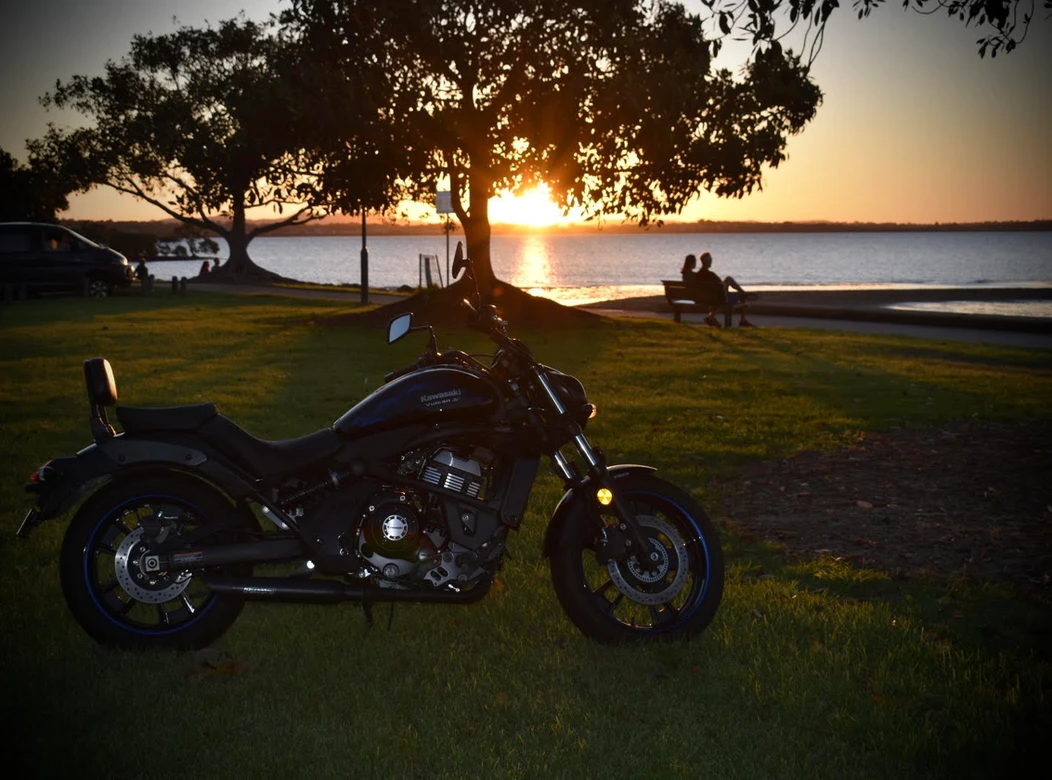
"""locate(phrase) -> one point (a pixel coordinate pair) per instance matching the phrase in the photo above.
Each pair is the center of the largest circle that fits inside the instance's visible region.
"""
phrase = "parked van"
(41, 258)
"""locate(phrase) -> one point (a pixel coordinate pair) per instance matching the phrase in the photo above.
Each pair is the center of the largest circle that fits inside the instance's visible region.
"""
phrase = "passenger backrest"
(102, 392)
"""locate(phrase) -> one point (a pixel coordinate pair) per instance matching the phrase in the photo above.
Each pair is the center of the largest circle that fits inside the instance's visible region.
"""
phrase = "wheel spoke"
(108, 538)
(125, 606)
(603, 588)
(163, 616)
(605, 605)
(664, 614)
(108, 586)
(183, 611)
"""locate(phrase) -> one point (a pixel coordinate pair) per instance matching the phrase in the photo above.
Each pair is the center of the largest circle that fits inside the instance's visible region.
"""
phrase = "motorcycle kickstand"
(367, 608)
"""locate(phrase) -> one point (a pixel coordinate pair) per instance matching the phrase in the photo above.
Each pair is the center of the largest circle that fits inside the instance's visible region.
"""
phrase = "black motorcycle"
(409, 496)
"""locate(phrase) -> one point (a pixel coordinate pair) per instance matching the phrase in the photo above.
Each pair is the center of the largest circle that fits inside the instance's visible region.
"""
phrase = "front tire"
(105, 587)
(620, 601)
(98, 288)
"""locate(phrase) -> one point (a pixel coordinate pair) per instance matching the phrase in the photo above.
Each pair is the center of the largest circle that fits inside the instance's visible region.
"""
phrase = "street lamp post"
(365, 264)
(444, 206)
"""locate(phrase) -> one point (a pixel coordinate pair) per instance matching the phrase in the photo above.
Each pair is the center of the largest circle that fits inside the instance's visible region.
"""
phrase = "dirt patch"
(969, 499)
(443, 308)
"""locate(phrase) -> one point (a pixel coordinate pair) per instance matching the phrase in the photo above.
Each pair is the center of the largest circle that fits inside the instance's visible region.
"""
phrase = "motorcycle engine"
(392, 537)
(460, 475)
(402, 535)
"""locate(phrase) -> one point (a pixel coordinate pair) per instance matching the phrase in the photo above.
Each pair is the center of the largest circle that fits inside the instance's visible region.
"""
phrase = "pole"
(448, 280)
(365, 264)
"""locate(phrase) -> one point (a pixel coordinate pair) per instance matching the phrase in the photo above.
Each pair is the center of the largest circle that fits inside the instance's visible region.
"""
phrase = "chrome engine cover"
(392, 539)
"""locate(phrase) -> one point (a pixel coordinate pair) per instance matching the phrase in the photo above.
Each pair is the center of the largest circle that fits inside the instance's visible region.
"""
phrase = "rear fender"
(573, 501)
(62, 483)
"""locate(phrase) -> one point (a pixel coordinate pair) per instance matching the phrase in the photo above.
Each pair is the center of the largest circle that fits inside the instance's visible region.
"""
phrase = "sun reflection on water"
(533, 266)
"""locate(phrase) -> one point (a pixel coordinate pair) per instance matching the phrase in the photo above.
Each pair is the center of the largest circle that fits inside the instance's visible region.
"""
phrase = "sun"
(533, 208)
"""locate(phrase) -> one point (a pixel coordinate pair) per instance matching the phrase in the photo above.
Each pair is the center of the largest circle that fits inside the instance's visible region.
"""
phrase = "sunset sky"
(914, 127)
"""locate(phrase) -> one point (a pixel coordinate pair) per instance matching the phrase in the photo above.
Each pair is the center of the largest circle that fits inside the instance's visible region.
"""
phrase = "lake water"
(582, 268)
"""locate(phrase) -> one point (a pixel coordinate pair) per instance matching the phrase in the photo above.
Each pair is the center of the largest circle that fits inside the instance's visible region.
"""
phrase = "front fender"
(572, 501)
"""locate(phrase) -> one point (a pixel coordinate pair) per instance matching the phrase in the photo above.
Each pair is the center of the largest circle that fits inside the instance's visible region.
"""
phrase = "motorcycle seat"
(267, 459)
(140, 419)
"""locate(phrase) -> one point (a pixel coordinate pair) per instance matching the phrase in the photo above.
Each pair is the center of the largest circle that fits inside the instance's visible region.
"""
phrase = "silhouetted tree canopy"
(613, 103)
(205, 124)
(34, 192)
(1003, 24)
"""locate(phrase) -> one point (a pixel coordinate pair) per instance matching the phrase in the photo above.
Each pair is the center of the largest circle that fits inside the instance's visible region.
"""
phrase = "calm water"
(602, 266)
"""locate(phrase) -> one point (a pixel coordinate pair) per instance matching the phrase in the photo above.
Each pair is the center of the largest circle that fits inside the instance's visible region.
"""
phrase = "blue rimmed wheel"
(614, 594)
(104, 579)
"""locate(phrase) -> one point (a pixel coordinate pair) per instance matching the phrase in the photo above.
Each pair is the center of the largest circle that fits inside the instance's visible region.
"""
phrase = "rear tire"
(106, 589)
(621, 602)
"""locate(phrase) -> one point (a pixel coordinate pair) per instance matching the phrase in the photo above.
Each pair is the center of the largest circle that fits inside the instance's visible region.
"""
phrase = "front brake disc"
(651, 585)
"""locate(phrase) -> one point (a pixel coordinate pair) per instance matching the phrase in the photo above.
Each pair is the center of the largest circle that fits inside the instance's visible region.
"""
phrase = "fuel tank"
(429, 395)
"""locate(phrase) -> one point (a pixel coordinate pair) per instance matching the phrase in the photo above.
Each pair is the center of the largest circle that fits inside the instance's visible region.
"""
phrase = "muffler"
(224, 555)
(286, 589)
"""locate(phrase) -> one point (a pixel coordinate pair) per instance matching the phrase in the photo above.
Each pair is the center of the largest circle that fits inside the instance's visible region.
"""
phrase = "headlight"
(572, 396)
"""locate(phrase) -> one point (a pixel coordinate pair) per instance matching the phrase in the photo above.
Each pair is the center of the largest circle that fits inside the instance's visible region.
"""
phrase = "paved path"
(938, 332)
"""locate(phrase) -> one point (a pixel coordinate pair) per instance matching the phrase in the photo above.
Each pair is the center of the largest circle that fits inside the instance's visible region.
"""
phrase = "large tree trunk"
(477, 230)
(477, 234)
(240, 266)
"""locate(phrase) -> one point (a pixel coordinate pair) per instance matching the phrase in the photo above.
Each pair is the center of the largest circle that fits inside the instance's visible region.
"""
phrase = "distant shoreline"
(384, 228)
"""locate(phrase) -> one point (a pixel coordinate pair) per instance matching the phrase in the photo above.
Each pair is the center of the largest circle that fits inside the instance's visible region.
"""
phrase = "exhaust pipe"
(286, 589)
(224, 555)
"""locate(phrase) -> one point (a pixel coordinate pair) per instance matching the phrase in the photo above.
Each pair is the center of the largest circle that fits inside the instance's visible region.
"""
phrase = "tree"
(204, 124)
(613, 103)
(129, 241)
(1004, 23)
(33, 193)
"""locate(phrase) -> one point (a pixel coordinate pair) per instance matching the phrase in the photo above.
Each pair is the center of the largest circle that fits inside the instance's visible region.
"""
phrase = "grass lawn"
(862, 676)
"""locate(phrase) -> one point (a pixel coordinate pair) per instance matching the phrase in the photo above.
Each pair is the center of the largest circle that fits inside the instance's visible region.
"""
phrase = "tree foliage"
(613, 103)
(1003, 24)
(34, 192)
(204, 124)
(129, 241)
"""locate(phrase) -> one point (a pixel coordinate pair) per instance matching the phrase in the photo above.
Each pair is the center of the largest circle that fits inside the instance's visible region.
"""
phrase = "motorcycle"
(408, 497)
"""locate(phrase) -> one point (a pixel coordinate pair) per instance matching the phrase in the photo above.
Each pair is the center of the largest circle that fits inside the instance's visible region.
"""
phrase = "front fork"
(598, 480)
(600, 489)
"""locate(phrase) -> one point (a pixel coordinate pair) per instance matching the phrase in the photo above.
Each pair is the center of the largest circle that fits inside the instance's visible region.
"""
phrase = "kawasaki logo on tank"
(439, 399)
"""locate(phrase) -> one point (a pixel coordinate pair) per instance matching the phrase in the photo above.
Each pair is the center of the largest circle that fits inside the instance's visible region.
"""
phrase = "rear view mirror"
(399, 326)
(459, 261)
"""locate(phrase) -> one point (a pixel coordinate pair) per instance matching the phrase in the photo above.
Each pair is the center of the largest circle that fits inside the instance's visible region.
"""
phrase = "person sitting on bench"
(705, 277)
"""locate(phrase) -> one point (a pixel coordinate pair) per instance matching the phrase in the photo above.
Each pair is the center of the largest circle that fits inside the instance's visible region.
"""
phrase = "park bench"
(709, 296)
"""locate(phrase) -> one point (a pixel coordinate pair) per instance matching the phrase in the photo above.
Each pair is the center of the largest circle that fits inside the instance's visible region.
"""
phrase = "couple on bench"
(702, 284)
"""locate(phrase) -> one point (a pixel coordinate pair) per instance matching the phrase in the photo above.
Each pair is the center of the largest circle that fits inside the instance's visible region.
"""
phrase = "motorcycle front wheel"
(104, 582)
(673, 594)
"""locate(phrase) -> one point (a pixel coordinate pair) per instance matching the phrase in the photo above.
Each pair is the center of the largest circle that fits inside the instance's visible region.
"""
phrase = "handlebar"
(485, 320)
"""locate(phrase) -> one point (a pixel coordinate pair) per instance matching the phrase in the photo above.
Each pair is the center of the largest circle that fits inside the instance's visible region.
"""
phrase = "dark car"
(41, 258)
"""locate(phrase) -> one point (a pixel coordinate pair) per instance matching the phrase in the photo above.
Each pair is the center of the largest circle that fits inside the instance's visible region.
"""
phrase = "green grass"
(811, 669)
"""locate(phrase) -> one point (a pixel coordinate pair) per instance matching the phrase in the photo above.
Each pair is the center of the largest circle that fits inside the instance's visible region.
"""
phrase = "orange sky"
(914, 127)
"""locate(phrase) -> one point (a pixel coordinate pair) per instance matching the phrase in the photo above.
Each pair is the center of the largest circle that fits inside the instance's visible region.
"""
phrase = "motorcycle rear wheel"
(621, 601)
(111, 597)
